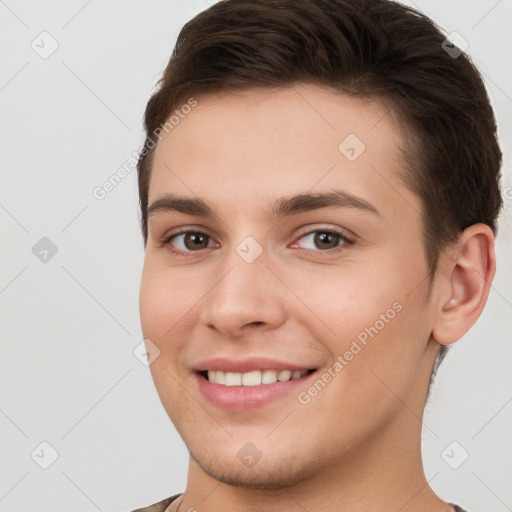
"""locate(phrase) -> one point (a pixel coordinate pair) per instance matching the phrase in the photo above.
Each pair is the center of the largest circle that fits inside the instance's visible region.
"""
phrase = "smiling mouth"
(253, 378)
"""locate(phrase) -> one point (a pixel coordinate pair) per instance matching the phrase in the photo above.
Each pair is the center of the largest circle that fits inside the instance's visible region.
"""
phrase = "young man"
(319, 193)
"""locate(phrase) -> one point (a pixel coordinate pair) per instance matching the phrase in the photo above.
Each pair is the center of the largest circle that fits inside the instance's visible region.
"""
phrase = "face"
(328, 289)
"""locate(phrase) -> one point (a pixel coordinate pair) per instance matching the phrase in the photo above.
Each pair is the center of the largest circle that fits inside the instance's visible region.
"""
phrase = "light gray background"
(69, 326)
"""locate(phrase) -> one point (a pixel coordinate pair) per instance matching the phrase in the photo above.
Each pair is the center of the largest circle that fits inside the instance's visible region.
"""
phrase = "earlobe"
(468, 273)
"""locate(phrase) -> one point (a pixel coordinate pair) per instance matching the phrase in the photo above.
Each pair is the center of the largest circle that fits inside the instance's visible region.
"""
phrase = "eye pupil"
(324, 238)
(196, 241)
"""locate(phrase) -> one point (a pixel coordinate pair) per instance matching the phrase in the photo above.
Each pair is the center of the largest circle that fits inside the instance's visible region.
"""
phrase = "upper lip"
(247, 365)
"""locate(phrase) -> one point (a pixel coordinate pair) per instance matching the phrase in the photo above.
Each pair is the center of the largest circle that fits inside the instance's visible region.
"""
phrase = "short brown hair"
(365, 48)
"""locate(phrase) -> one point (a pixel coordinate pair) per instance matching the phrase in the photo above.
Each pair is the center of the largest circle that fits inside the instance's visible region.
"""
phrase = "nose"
(246, 296)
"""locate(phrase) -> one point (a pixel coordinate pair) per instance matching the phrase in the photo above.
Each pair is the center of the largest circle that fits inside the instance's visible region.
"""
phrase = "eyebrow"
(283, 206)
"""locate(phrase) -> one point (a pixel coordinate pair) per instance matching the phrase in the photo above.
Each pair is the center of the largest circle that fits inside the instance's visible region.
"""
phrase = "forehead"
(251, 146)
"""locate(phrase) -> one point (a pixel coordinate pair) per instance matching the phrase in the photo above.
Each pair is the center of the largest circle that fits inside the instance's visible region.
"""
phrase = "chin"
(271, 473)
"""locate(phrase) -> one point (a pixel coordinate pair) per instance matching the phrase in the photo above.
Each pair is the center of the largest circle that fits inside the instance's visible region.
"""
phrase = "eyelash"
(343, 238)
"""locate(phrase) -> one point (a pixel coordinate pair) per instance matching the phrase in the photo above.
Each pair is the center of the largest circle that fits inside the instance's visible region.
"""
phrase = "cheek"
(389, 346)
(343, 301)
(169, 304)
(163, 313)
(151, 300)
(366, 309)
(165, 297)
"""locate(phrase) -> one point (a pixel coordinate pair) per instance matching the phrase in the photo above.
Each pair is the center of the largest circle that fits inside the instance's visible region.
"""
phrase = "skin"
(356, 445)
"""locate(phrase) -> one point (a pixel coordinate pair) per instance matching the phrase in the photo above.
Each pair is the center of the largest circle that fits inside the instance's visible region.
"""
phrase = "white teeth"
(233, 379)
(284, 375)
(251, 378)
(220, 377)
(269, 377)
(254, 378)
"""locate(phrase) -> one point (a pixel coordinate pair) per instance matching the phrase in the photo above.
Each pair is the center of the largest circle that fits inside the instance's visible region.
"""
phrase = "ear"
(465, 275)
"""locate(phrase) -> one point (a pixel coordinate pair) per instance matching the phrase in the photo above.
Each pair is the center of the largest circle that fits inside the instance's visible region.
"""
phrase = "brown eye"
(195, 241)
(326, 240)
(323, 240)
(188, 241)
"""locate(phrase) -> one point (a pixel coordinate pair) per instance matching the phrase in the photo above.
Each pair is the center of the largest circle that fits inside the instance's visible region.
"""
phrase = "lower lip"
(247, 397)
